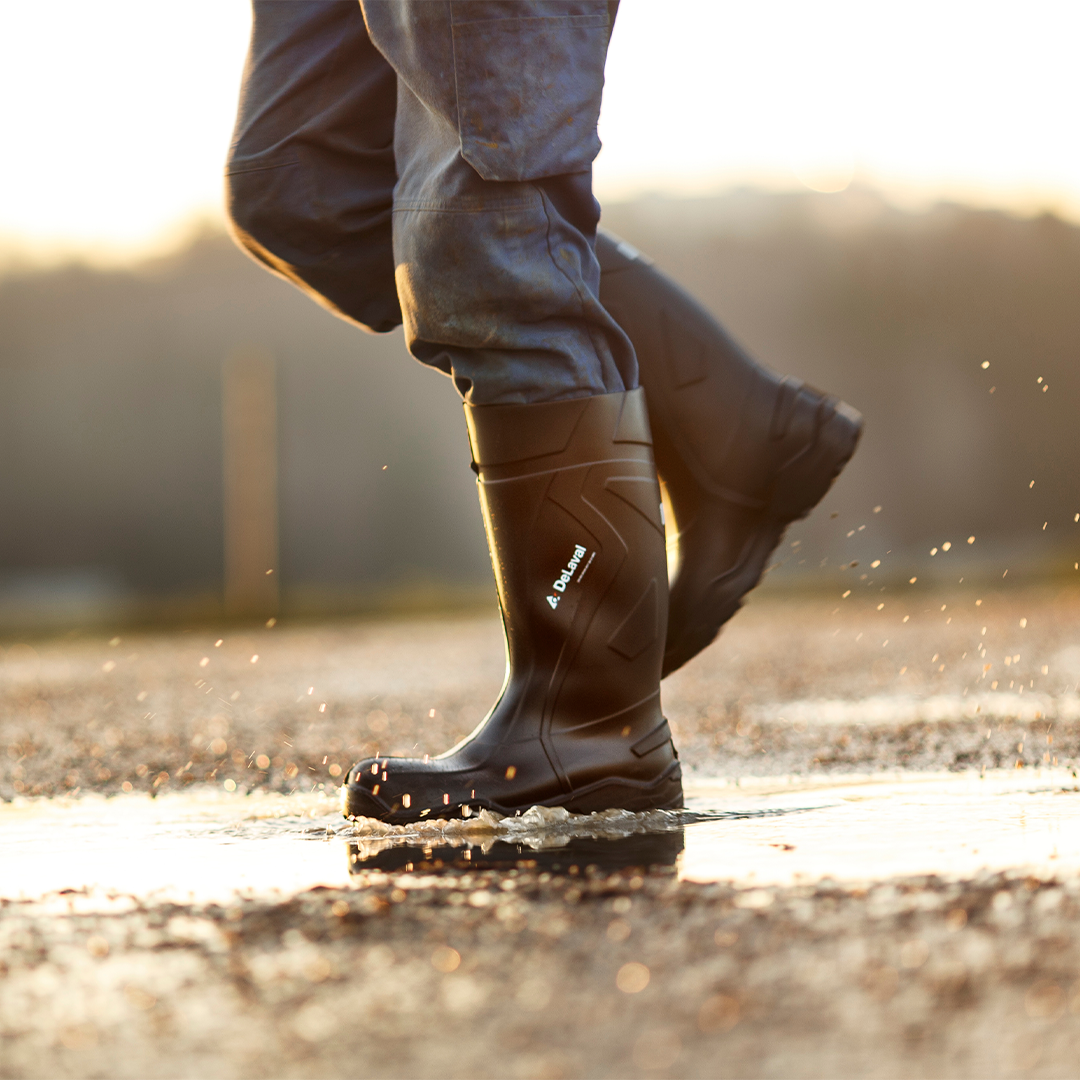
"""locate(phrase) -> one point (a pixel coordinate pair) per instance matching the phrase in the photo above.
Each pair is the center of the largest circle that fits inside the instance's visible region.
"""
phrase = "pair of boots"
(576, 531)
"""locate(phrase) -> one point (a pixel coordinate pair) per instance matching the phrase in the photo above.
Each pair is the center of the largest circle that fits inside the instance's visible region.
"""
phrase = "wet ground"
(793, 687)
(878, 873)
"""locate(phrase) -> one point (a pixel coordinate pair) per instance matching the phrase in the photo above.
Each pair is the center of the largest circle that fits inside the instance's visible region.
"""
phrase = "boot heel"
(665, 793)
(802, 484)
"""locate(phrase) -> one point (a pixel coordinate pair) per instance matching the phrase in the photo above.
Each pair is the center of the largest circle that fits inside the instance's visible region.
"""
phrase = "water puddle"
(541, 839)
(191, 846)
(206, 846)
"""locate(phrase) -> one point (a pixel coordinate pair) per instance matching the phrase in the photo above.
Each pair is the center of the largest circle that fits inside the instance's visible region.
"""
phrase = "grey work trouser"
(429, 162)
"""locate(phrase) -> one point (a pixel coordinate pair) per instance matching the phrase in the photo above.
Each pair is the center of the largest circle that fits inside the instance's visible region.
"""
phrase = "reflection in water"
(641, 850)
(540, 839)
(202, 845)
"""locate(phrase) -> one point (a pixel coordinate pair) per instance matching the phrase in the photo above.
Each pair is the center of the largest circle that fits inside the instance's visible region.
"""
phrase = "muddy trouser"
(430, 163)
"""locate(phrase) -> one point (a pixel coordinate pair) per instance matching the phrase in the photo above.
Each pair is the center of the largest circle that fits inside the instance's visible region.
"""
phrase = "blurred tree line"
(955, 331)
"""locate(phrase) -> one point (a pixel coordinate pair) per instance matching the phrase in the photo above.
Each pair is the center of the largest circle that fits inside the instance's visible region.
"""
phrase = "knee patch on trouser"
(500, 299)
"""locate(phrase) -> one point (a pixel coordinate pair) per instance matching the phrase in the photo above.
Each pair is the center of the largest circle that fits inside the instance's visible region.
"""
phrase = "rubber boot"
(571, 507)
(741, 452)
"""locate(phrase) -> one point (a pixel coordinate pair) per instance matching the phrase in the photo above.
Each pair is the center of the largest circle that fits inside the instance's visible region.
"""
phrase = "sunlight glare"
(117, 115)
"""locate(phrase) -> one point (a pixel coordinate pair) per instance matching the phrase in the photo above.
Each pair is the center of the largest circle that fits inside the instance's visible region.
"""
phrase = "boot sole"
(664, 793)
(800, 486)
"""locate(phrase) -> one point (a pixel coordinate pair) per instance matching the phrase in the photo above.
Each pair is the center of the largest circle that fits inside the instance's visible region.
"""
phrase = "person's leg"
(494, 234)
(311, 173)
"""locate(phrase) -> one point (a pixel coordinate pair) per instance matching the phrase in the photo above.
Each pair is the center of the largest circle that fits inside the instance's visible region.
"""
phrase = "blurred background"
(880, 199)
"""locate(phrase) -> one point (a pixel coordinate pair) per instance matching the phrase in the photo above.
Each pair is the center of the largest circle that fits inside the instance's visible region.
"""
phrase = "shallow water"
(204, 845)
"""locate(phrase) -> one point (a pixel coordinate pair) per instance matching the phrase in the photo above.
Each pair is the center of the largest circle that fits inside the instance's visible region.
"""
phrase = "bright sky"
(116, 115)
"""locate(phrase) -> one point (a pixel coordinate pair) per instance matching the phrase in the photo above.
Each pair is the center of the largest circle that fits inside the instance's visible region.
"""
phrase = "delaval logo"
(564, 579)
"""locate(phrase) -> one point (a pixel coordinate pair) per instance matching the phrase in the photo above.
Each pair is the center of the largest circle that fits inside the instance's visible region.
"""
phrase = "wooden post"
(249, 407)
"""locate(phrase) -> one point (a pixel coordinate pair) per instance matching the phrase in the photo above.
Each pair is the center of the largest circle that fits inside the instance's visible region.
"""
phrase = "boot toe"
(357, 801)
(400, 791)
(361, 794)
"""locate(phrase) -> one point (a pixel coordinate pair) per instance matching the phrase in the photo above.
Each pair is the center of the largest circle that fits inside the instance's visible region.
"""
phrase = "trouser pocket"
(528, 91)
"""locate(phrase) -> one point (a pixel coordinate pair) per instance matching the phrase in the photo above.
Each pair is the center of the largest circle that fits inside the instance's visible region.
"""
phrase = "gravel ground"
(792, 686)
(545, 972)
(522, 974)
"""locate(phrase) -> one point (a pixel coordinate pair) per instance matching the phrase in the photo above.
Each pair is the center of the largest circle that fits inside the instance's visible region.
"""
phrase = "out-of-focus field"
(931, 681)
(530, 973)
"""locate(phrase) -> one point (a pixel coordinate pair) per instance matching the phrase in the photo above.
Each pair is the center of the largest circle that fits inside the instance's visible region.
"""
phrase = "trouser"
(429, 162)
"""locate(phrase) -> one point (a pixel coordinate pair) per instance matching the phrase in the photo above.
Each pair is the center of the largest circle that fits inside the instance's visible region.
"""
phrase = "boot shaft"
(729, 422)
(571, 505)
